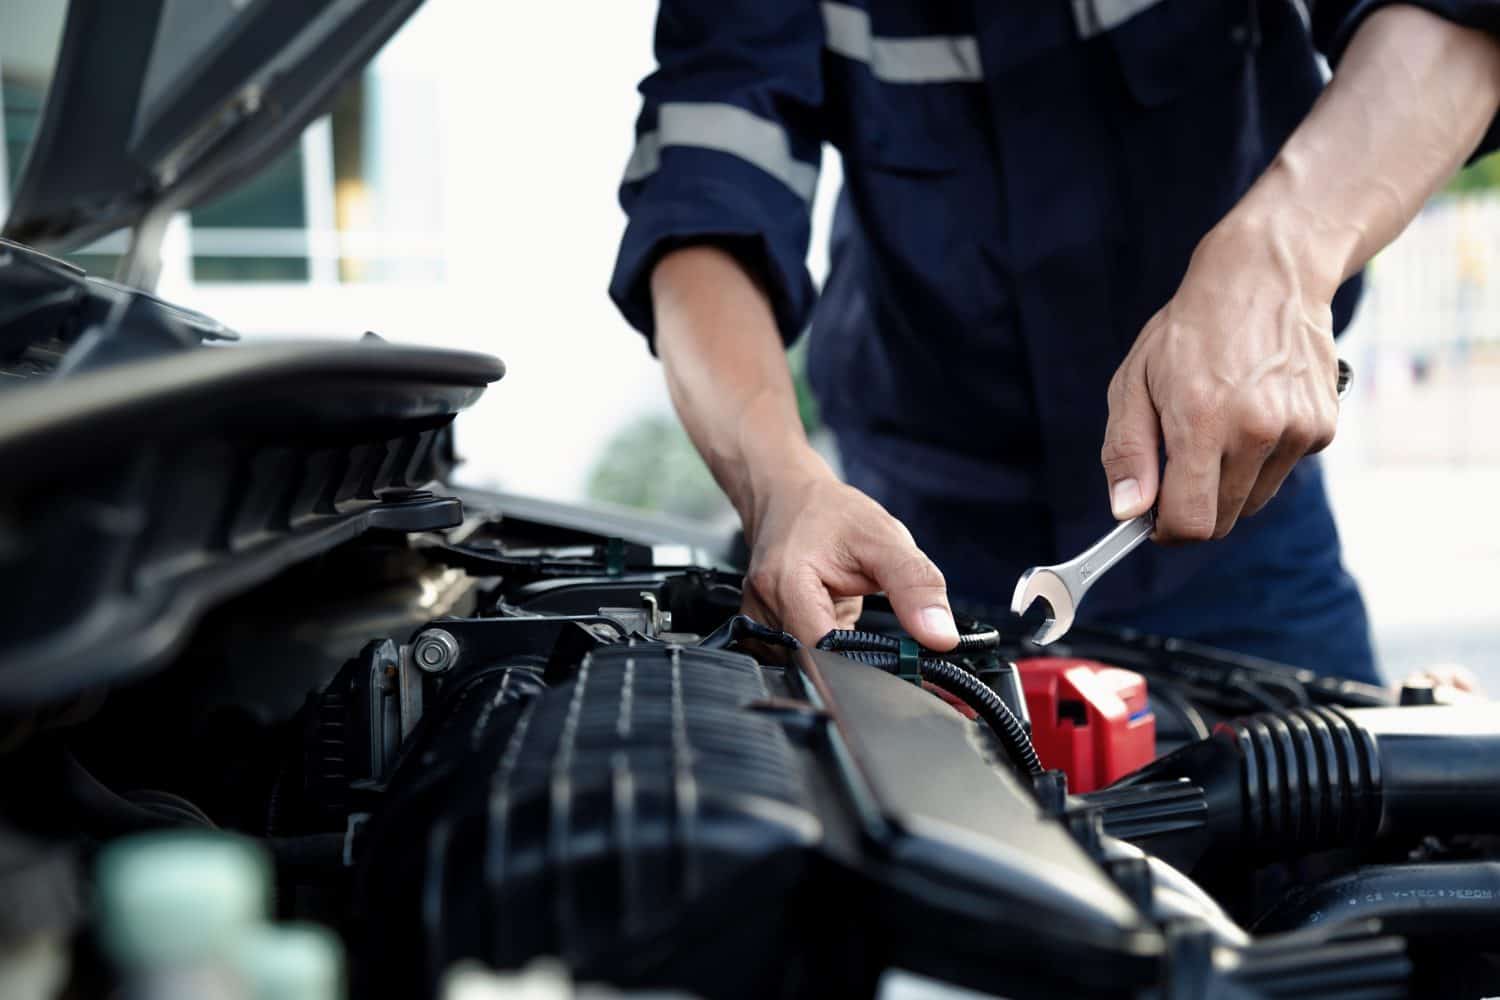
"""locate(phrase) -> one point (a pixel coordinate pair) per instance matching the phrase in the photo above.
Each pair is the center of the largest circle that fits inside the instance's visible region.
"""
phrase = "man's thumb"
(1130, 453)
(919, 596)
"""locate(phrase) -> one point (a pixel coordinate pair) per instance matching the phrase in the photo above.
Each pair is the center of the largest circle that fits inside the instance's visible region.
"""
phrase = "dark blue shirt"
(1025, 181)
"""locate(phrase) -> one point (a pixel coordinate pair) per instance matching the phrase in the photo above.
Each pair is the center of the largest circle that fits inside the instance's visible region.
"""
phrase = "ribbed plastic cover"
(599, 813)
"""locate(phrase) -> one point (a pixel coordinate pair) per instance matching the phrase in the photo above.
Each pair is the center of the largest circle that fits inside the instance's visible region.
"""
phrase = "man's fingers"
(917, 592)
(750, 605)
(807, 609)
(1189, 506)
(1259, 438)
(811, 579)
(807, 614)
(846, 611)
(1272, 475)
(1131, 445)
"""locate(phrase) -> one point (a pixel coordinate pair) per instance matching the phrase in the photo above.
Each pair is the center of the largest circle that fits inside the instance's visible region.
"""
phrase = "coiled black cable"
(980, 641)
(850, 640)
(845, 640)
(988, 706)
(972, 692)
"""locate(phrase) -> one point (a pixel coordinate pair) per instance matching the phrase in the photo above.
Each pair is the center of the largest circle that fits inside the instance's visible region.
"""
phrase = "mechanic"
(1129, 223)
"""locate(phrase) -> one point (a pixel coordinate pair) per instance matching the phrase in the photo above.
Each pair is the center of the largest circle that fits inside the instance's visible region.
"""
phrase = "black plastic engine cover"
(687, 818)
(596, 813)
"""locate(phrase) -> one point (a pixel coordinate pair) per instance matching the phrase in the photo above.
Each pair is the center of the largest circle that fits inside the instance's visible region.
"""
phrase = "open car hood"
(156, 105)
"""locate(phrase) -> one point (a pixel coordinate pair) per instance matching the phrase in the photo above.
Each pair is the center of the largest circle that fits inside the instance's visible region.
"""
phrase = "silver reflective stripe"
(728, 129)
(1094, 16)
(925, 59)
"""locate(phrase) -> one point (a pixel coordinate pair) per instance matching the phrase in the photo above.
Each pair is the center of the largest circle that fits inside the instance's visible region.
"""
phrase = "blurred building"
(462, 192)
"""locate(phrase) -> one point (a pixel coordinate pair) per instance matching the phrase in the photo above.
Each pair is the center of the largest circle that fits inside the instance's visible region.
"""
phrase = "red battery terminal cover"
(1088, 719)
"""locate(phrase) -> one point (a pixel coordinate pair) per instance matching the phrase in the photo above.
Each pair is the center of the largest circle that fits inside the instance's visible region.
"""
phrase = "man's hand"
(818, 546)
(1236, 376)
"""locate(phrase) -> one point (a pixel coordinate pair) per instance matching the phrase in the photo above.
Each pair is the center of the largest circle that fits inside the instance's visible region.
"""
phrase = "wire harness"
(884, 652)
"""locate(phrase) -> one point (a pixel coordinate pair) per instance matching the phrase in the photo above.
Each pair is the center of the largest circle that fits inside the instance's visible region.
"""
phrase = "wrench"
(1063, 586)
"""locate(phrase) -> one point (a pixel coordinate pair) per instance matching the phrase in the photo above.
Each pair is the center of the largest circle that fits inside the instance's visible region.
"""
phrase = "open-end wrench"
(1063, 586)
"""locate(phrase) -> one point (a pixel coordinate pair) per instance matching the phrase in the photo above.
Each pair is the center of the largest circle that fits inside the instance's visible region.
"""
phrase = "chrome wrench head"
(1041, 581)
(1063, 586)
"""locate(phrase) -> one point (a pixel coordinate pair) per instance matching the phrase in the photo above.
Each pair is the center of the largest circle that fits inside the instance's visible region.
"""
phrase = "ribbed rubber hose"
(1436, 898)
(972, 692)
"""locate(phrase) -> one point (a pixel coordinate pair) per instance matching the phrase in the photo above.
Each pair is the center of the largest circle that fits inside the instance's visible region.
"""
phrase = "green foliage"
(807, 406)
(1481, 176)
(651, 464)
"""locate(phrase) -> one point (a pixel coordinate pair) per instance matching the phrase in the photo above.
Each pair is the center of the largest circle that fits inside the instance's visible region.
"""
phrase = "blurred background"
(462, 193)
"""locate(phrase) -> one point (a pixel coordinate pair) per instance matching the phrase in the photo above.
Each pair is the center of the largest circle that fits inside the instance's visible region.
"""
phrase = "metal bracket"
(140, 267)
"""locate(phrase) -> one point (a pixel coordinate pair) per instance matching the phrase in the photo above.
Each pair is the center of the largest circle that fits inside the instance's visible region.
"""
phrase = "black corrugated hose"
(951, 678)
(848, 640)
(987, 705)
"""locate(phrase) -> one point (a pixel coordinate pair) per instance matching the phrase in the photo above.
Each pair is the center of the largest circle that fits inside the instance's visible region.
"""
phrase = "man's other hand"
(818, 546)
(1235, 378)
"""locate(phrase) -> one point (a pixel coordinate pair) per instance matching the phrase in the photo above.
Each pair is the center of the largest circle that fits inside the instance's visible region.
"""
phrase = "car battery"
(1088, 719)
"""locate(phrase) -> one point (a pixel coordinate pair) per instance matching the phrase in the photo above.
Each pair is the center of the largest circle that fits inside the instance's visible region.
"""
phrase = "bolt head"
(435, 650)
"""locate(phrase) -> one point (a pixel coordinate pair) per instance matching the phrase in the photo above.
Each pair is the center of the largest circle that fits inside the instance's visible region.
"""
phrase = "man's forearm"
(817, 545)
(728, 376)
(1412, 97)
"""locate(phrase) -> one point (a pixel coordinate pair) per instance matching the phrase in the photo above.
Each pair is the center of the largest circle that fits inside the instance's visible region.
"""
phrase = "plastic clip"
(909, 665)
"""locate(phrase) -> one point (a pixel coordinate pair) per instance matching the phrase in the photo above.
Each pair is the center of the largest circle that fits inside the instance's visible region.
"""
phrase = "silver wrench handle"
(1110, 549)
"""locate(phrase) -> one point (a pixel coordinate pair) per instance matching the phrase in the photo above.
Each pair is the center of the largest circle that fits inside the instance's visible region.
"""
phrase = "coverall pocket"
(908, 128)
(1175, 46)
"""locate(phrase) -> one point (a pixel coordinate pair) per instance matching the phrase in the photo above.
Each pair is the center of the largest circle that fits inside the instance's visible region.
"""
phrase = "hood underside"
(157, 105)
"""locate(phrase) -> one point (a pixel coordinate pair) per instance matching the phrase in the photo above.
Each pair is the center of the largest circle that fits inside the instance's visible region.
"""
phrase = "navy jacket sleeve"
(727, 149)
(1335, 21)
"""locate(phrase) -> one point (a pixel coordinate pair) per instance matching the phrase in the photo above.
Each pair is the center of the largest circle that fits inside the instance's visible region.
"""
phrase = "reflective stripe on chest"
(915, 59)
(1096, 16)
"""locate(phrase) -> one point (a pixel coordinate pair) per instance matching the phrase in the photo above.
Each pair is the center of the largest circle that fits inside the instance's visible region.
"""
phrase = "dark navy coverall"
(1025, 181)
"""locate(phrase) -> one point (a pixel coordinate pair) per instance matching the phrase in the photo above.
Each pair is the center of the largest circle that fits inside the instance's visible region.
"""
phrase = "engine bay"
(284, 714)
(511, 741)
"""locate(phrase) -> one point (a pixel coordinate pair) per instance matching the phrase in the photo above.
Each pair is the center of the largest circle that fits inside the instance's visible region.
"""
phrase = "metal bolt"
(435, 650)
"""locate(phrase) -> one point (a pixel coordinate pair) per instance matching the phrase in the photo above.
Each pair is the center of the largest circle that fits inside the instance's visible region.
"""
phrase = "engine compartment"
(513, 740)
